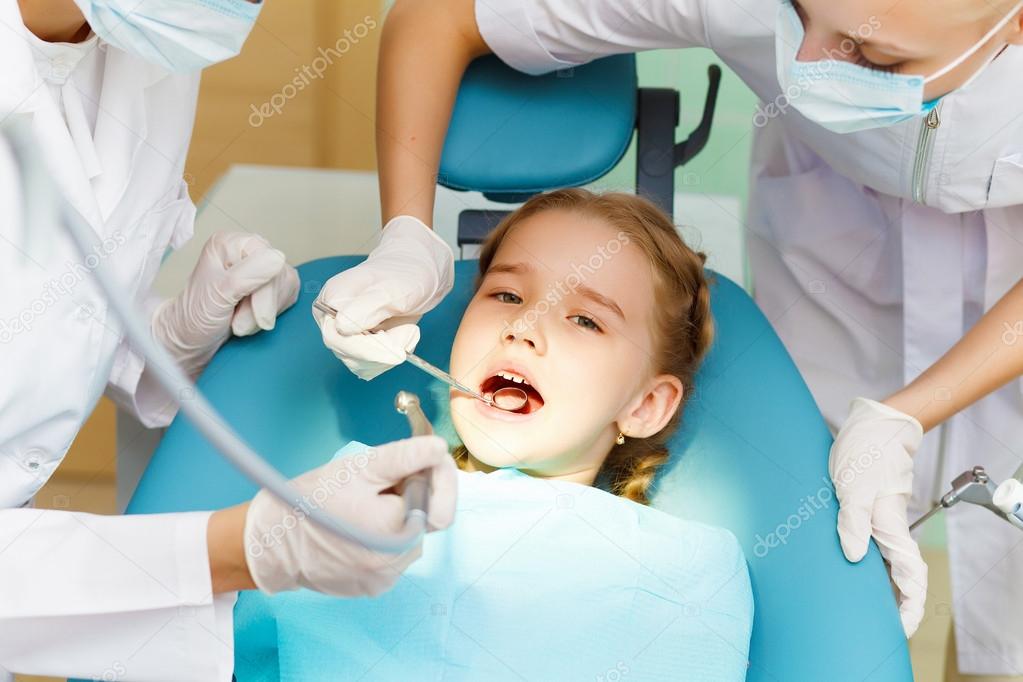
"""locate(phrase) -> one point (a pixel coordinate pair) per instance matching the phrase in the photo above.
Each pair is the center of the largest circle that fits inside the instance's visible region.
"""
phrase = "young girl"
(563, 311)
(594, 307)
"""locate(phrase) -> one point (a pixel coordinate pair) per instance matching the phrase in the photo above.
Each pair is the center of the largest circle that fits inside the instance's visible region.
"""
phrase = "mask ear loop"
(979, 44)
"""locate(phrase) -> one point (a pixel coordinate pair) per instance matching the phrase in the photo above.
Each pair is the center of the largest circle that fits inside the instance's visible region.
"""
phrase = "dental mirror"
(508, 398)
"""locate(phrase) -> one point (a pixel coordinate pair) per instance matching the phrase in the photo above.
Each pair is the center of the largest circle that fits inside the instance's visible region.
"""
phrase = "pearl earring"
(620, 439)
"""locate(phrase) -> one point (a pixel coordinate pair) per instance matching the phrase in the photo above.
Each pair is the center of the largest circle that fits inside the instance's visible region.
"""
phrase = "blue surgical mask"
(845, 97)
(179, 35)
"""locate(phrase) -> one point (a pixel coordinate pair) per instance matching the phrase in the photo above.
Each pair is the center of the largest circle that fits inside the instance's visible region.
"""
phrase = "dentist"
(144, 597)
(885, 222)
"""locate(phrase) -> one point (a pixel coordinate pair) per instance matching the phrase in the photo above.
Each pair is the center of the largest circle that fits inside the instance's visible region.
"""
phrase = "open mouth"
(507, 379)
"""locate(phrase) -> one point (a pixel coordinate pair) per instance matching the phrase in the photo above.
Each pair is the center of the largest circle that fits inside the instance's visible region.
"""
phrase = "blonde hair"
(683, 330)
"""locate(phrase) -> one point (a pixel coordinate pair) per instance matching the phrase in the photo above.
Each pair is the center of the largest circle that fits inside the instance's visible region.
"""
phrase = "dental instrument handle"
(938, 507)
(435, 372)
(416, 488)
(952, 497)
(438, 373)
(324, 308)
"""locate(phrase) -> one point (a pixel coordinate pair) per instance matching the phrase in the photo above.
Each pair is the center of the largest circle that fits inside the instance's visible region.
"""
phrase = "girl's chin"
(497, 449)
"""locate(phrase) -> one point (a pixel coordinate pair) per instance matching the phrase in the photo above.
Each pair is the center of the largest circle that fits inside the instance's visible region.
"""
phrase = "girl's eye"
(507, 297)
(586, 322)
(874, 66)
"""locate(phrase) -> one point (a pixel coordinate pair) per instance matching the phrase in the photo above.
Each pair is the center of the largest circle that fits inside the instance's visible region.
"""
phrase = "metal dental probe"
(508, 393)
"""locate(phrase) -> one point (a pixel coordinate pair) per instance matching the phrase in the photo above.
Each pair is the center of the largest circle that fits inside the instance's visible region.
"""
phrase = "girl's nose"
(521, 331)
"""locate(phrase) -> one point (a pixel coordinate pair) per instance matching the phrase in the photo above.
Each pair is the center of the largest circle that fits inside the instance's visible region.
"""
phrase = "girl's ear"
(653, 408)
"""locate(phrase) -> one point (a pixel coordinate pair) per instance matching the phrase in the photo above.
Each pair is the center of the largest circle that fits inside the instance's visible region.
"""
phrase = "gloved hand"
(286, 551)
(406, 275)
(240, 285)
(871, 465)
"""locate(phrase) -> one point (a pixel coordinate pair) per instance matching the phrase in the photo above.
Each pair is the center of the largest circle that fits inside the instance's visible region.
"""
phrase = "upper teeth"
(512, 377)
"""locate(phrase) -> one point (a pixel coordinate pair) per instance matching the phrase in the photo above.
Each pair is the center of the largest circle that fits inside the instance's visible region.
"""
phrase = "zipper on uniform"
(924, 145)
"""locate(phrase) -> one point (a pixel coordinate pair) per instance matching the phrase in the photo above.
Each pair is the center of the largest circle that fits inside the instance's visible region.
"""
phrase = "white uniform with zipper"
(872, 253)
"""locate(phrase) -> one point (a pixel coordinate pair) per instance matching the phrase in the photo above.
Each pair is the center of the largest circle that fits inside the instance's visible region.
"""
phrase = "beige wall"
(313, 59)
(300, 94)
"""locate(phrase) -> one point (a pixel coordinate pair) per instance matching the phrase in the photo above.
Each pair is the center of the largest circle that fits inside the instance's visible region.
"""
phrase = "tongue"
(510, 400)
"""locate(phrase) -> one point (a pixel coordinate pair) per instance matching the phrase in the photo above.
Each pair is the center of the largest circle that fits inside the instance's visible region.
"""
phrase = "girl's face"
(917, 37)
(567, 306)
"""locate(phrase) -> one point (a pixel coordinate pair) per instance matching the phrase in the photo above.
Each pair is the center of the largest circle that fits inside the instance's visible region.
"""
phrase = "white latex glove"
(406, 275)
(871, 465)
(286, 551)
(240, 285)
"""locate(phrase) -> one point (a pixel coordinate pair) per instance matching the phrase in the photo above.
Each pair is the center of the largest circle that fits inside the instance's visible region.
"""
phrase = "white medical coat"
(872, 253)
(125, 598)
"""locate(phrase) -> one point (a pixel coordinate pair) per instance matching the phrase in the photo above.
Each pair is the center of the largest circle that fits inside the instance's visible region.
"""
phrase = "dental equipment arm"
(44, 205)
(976, 487)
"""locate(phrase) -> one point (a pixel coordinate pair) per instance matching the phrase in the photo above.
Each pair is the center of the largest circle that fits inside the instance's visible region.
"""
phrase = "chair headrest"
(514, 134)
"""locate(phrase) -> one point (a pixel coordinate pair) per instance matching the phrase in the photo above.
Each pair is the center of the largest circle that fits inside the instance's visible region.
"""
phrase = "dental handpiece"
(416, 488)
(976, 487)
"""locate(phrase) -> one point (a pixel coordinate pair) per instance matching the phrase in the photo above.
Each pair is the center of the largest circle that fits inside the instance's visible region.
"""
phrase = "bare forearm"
(425, 48)
(54, 20)
(225, 543)
(990, 355)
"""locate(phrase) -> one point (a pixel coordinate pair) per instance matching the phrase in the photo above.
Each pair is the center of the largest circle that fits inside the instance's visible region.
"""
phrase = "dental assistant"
(885, 221)
(144, 597)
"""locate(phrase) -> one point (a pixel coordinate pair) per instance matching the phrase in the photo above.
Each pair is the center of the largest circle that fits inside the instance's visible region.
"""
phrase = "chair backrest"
(758, 425)
(750, 456)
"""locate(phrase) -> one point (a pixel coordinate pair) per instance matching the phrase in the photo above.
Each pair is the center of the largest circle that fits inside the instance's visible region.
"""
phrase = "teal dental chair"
(751, 455)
